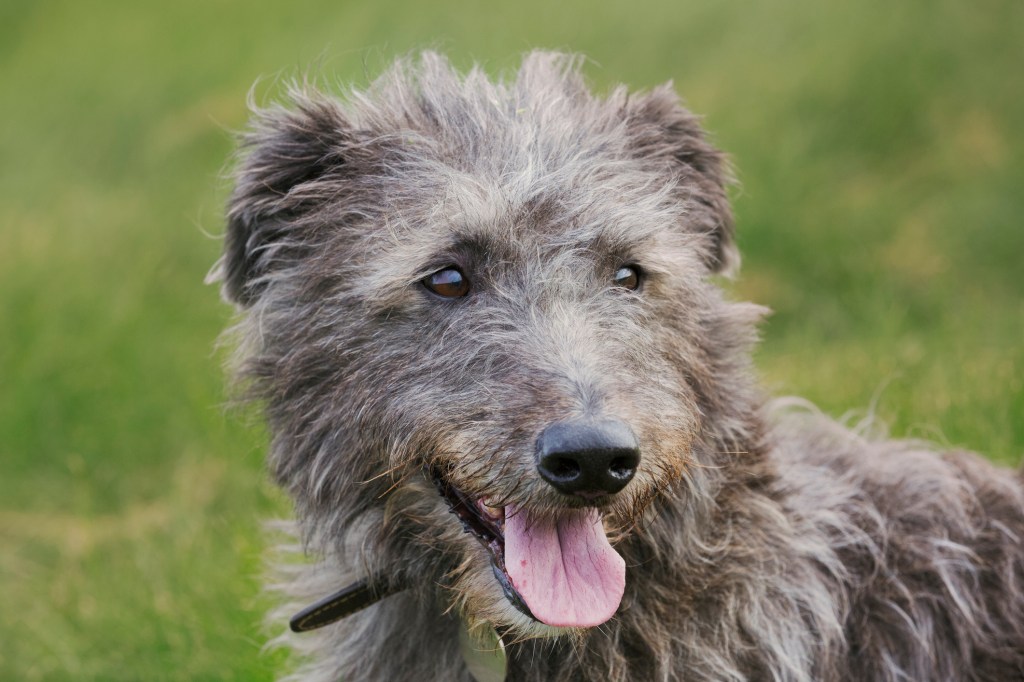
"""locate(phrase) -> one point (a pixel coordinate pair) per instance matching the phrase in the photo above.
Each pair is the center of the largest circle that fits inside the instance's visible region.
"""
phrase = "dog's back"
(929, 549)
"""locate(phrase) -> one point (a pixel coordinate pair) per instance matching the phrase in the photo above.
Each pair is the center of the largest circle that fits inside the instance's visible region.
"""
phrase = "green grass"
(881, 156)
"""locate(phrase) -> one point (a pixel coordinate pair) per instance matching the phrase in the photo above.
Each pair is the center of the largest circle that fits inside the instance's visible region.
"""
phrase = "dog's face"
(485, 299)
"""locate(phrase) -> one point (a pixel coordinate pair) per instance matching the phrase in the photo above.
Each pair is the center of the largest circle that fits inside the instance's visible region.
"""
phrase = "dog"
(513, 408)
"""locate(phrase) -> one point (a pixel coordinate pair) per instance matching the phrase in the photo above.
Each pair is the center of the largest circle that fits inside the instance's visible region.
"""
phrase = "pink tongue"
(564, 570)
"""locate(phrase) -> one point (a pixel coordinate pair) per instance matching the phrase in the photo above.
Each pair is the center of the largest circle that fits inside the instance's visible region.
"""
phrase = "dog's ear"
(662, 129)
(290, 159)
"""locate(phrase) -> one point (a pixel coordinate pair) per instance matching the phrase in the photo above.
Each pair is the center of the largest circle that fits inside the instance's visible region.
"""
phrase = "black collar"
(344, 602)
(486, 662)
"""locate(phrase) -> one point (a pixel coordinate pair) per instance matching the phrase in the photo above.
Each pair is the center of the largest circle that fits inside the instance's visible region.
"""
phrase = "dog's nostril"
(563, 468)
(588, 458)
(622, 467)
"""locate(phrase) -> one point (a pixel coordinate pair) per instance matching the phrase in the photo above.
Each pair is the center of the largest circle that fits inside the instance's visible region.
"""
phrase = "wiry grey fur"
(761, 543)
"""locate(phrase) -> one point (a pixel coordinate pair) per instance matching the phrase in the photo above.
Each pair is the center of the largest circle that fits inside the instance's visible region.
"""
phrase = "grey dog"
(509, 400)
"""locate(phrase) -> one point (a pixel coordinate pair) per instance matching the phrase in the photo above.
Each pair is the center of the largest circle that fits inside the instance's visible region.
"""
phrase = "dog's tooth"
(489, 510)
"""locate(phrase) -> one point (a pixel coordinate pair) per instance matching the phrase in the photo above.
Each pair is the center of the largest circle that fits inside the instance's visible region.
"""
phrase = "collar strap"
(344, 602)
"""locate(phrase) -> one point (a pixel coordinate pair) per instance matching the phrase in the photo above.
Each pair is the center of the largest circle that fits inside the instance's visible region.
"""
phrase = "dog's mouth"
(486, 524)
(560, 571)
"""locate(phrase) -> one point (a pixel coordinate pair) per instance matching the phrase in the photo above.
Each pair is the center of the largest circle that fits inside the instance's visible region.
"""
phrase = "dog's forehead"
(610, 206)
(540, 231)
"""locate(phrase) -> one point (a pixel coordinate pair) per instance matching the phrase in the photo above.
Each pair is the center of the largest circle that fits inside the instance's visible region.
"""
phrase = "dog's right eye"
(449, 283)
(627, 277)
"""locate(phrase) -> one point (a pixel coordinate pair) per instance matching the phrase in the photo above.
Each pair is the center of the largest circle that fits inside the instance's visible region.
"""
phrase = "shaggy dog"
(507, 397)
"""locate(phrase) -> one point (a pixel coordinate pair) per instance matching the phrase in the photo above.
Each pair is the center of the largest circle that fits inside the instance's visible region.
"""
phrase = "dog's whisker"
(386, 472)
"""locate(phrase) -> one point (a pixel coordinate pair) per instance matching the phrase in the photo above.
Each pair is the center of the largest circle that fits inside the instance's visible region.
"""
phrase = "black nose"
(588, 458)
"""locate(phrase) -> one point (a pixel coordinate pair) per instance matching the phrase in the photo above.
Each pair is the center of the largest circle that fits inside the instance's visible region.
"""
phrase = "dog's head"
(494, 299)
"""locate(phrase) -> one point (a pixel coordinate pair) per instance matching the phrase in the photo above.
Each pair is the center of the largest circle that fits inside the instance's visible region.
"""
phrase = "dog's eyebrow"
(468, 246)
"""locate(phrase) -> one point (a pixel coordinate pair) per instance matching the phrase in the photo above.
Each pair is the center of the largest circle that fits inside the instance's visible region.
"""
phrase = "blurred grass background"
(881, 153)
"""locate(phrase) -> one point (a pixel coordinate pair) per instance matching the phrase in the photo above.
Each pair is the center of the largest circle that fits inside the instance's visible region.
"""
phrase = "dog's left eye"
(627, 277)
(449, 283)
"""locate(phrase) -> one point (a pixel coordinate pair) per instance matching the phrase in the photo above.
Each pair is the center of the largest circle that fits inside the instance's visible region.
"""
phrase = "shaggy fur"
(761, 543)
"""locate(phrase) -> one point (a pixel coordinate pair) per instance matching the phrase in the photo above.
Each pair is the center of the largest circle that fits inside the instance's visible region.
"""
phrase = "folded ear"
(291, 159)
(662, 129)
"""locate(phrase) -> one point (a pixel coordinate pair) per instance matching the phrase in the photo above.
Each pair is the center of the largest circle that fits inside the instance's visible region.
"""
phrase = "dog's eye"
(628, 277)
(449, 283)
